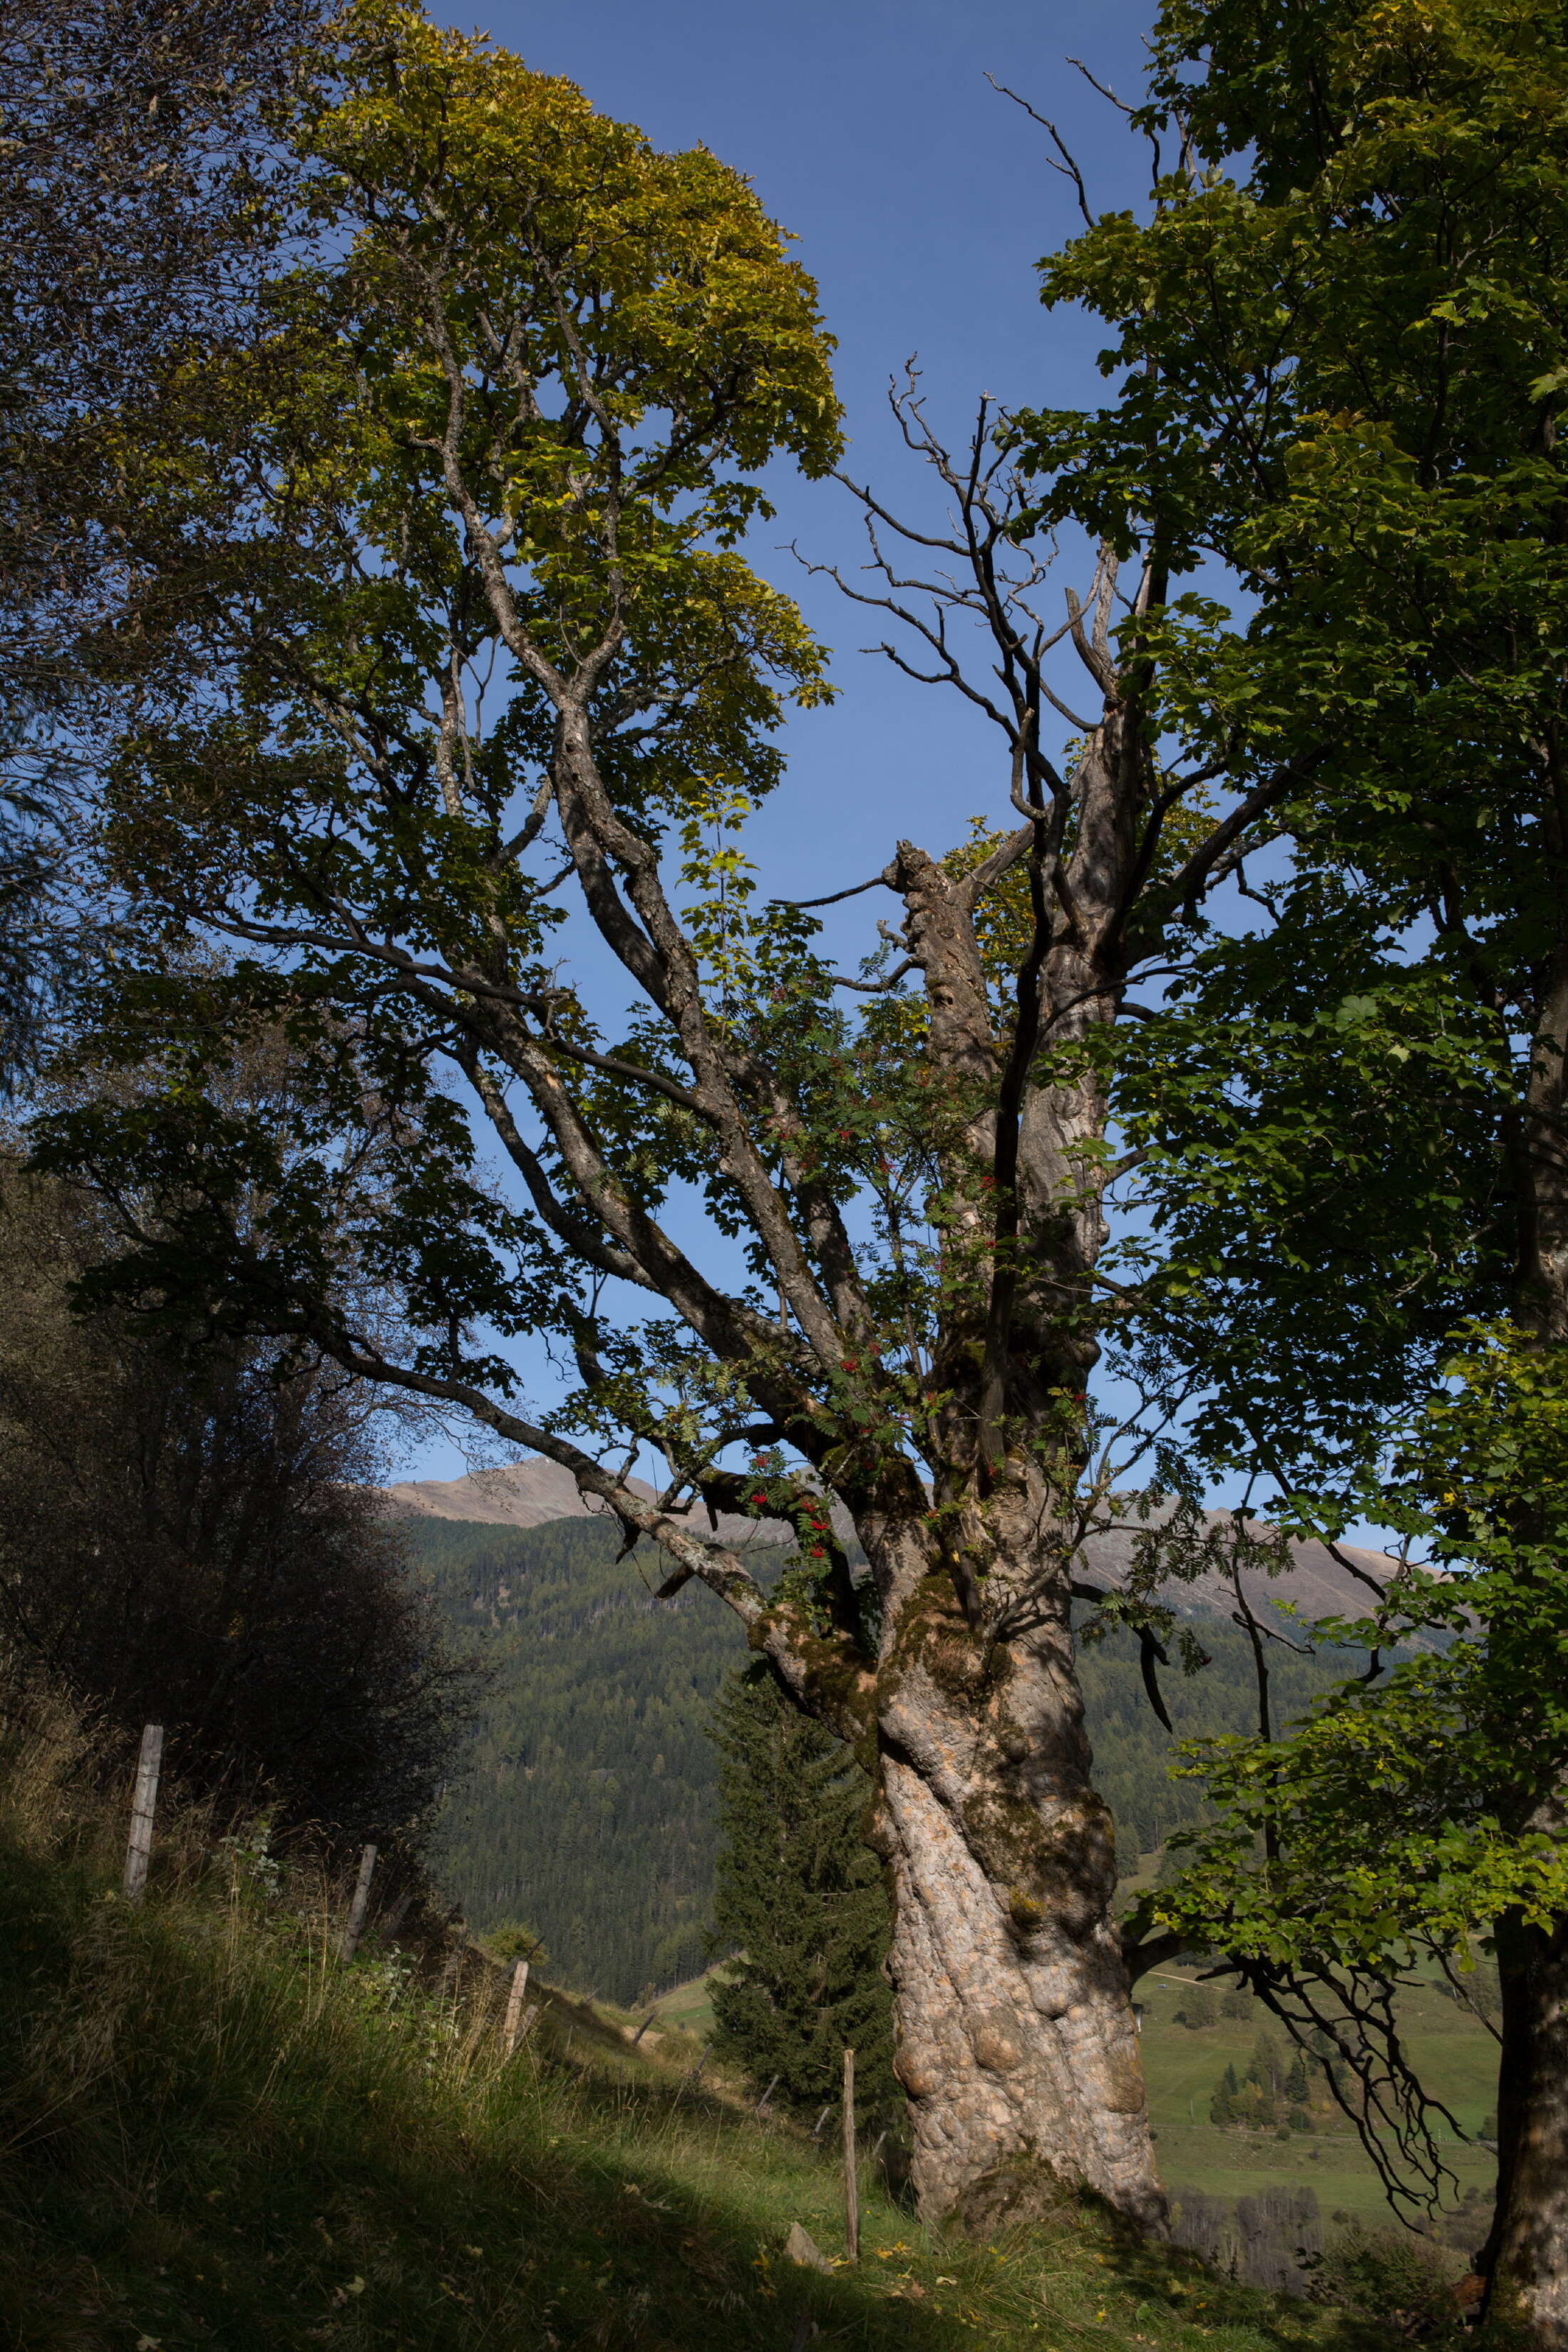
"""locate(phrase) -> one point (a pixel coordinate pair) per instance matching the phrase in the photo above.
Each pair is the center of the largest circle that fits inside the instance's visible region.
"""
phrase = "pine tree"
(800, 1894)
(1296, 2080)
(1222, 2107)
(1263, 2066)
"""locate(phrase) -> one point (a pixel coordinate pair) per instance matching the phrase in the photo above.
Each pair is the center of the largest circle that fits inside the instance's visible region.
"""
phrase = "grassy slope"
(1455, 2056)
(691, 2005)
(211, 2134)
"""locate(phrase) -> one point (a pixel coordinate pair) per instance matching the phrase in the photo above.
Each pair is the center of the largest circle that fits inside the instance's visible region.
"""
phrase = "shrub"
(1391, 2277)
(514, 1939)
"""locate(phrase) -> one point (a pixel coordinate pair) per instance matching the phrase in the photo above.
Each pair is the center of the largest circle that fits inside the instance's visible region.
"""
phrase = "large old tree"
(479, 693)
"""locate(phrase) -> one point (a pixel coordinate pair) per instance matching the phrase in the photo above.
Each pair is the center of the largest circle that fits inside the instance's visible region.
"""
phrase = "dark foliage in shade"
(799, 1897)
(186, 1537)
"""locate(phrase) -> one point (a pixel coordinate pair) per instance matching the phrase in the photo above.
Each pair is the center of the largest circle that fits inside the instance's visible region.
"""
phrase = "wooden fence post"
(689, 2081)
(357, 1908)
(394, 1919)
(143, 1805)
(514, 2006)
(643, 2028)
(767, 2094)
(851, 2181)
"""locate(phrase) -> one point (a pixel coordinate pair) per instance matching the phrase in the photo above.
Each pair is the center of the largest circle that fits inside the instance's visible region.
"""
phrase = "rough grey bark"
(1016, 2030)
(1015, 2033)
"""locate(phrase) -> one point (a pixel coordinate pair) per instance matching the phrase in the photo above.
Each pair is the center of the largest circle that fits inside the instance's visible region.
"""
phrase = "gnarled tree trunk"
(1526, 2255)
(1017, 2042)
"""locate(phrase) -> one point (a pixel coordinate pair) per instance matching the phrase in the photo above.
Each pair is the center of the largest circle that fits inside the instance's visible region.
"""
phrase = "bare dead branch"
(1067, 166)
(884, 880)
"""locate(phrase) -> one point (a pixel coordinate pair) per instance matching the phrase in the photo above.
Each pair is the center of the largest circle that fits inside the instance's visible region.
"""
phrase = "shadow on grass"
(212, 2136)
(1178, 2283)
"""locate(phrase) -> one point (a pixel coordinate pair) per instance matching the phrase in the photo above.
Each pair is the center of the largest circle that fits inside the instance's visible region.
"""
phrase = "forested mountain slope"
(586, 1808)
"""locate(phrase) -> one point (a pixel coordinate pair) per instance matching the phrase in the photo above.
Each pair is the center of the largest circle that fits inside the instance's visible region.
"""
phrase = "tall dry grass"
(213, 2133)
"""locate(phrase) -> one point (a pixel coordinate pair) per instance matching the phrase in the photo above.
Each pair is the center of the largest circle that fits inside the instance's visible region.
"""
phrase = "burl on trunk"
(1016, 2031)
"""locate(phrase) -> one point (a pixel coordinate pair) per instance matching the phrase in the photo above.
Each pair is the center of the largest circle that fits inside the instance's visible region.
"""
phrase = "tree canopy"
(1342, 332)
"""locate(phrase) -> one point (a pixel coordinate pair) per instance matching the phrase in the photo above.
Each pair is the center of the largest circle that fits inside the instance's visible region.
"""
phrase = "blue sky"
(921, 201)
